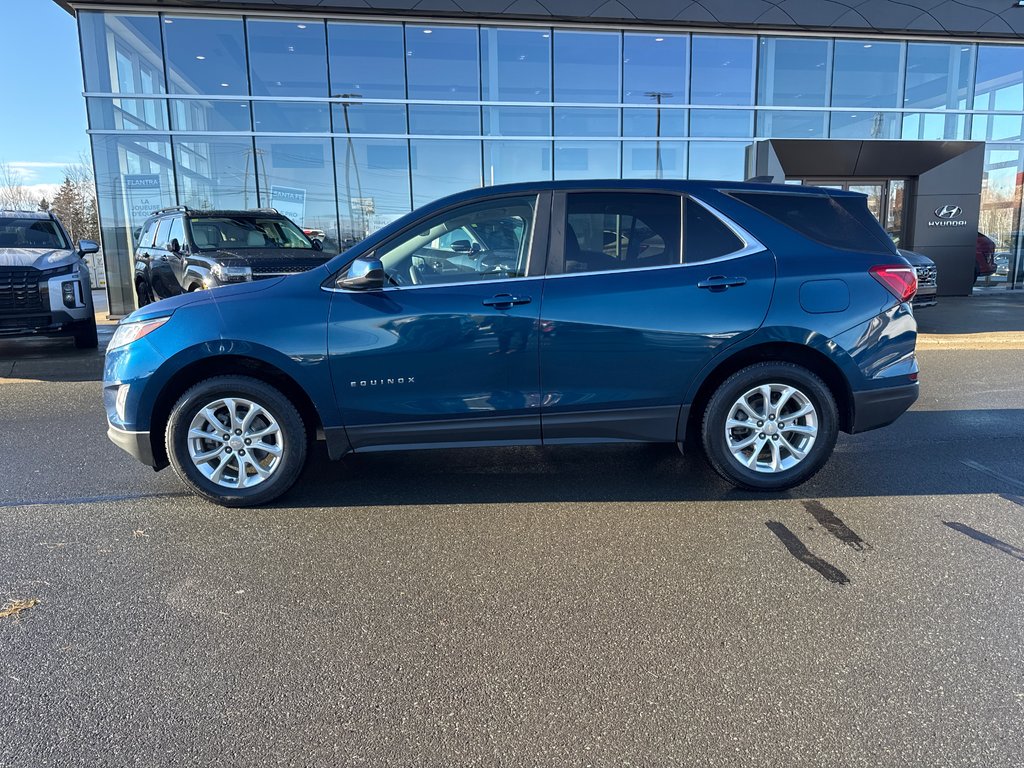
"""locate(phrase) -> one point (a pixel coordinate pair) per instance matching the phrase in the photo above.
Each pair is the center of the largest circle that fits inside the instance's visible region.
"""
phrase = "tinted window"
(205, 56)
(121, 53)
(587, 66)
(723, 70)
(821, 217)
(148, 235)
(654, 68)
(367, 60)
(705, 236)
(866, 74)
(287, 58)
(516, 64)
(615, 230)
(793, 72)
(175, 232)
(240, 232)
(938, 75)
(442, 63)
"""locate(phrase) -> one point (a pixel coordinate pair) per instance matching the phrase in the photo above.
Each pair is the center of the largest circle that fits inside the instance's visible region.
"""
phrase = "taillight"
(900, 280)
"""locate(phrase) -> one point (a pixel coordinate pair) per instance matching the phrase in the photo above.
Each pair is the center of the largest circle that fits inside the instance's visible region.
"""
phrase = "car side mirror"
(86, 247)
(365, 274)
(317, 245)
(462, 246)
(174, 246)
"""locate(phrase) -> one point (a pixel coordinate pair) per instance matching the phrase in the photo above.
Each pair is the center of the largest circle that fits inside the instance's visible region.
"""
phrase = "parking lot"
(573, 606)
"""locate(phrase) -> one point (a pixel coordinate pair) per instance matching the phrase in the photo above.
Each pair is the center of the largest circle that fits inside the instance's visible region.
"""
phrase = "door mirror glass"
(86, 247)
(317, 245)
(364, 274)
(174, 246)
(464, 246)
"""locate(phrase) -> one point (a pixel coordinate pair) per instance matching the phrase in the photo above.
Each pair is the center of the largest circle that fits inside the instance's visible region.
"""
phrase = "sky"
(42, 123)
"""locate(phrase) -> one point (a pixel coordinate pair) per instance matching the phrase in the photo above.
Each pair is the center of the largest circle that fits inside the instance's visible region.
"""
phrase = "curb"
(967, 341)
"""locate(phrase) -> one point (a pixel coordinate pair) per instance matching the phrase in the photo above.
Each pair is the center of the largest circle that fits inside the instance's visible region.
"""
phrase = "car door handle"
(721, 282)
(506, 300)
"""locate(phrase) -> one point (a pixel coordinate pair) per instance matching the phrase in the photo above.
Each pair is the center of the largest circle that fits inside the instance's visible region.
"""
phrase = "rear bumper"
(880, 407)
(136, 444)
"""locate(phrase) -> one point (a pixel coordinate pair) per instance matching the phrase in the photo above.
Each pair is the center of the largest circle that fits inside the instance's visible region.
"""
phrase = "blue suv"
(755, 320)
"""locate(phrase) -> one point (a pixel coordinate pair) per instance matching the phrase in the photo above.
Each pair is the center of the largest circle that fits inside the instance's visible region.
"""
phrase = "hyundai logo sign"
(948, 216)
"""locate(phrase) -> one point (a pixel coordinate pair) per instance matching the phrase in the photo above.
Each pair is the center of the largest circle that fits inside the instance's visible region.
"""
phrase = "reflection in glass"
(506, 162)
(121, 53)
(358, 117)
(586, 159)
(367, 60)
(373, 185)
(291, 117)
(442, 63)
(517, 121)
(586, 121)
(934, 126)
(127, 114)
(443, 167)
(999, 80)
(444, 121)
(296, 176)
(1000, 217)
(996, 128)
(205, 55)
(725, 160)
(216, 172)
(654, 160)
(793, 72)
(287, 58)
(723, 70)
(792, 125)
(866, 73)
(938, 75)
(653, 122)
(201, 115)
(722, 123)
(516, 64)
(654, 68)
(587, 66)
(865, 125)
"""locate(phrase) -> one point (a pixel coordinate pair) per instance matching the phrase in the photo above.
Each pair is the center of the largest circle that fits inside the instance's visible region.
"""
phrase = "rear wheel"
(144, 292)
(770, 426)
(236, 441)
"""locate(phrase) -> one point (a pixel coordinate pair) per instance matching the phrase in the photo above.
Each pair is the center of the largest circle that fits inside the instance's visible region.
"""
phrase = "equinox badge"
(383, 382)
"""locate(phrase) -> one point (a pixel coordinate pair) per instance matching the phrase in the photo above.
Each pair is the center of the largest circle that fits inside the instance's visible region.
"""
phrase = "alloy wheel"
(771, 428)
(235, 443)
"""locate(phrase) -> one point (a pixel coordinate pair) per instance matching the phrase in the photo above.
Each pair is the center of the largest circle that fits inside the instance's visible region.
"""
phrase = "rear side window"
(705, 236)
(823, 218)
(621, 230)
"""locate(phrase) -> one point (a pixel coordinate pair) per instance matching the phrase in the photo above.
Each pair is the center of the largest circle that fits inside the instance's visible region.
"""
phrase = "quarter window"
(705, 237)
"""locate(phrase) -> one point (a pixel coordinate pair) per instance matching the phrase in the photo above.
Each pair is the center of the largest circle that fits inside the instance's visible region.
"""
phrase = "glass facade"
(347, 125)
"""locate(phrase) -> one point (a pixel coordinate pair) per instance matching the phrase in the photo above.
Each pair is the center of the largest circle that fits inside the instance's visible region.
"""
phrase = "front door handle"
(506, 300)
(721, 282)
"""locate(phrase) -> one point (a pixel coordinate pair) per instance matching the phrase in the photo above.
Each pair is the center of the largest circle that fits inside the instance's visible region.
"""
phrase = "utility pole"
(657, 96)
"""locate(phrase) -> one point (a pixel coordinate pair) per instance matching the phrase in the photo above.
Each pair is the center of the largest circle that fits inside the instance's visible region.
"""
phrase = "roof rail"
(171, 208)
(266, 209)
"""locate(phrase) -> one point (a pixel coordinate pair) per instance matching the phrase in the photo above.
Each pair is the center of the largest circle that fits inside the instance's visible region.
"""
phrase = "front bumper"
(135, 444)
(880, 407)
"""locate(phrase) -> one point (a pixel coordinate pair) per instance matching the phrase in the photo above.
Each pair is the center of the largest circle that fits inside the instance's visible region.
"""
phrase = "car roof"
(674, 185)
(35, 215)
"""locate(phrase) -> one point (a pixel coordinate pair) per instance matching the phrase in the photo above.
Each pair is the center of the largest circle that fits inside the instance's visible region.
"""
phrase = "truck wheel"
(85, 335)
(144, 292)
(770, 426)
(236, 441)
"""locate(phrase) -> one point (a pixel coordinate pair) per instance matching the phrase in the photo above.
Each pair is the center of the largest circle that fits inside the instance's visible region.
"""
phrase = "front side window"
(240, 232)
(148, 235)
(176, 232)
(614, 230)
(482, 241)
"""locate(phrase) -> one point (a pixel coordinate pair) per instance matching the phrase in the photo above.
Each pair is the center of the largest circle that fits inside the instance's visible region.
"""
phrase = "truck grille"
(19, 290)
(287, 268)
(926, 275)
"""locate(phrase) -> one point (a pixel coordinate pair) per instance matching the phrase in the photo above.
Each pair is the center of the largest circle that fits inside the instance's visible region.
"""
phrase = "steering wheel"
(394, 278)
(496, 263)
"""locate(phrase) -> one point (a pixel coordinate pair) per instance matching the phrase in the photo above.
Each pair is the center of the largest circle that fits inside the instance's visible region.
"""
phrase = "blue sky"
(42, 124)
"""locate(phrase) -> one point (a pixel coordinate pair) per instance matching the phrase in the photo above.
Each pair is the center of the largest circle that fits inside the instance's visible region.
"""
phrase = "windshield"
(31, 233)
(239, 232)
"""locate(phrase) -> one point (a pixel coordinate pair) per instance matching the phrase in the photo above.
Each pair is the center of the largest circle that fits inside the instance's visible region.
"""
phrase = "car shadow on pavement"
(53, 359)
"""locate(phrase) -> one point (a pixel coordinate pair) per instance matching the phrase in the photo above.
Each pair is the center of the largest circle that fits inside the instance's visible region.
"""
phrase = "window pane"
(616, 230)
(297, 178)
(999, 81)
(705, 236)
(938, 75)
(175, 232)
(373, 185)
(653, 160)
(121, 53)
(586, 159)
(795, 125)
(723, 70)
(481, 241)
(517, 121)
(216, 172)
(367, 60)
(442, 63)
(996, 128)
(369, 118)
(587, 66)
(128, 114)
(506, 162)
(866, 73)
(287, 58)
(933, 127)
(442, 121)
(725, 160)
(654, 68)
(865, 125)
(199, 115)
(441, 168)
(653, 122)
(586, 121)
(205, 55)
(793, 72)
(516, 64)
(722, 123)
(291, 117)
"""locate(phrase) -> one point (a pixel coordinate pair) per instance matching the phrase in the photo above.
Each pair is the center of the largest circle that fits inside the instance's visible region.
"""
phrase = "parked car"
(927, 278)
(984, 256)
(754, 320)
(1002, 262)
(181, 250)
(44, 280)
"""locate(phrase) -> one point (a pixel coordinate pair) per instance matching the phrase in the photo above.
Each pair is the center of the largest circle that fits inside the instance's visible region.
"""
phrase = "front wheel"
(770, 426)
(236, 441)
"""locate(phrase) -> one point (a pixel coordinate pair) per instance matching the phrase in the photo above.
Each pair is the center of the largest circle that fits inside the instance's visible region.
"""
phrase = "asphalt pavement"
(607, 605)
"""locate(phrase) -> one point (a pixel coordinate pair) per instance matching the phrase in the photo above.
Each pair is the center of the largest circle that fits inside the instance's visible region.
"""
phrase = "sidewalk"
(992, 318)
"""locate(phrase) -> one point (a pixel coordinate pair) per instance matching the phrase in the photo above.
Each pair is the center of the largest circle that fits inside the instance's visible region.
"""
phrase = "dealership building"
(346, 114)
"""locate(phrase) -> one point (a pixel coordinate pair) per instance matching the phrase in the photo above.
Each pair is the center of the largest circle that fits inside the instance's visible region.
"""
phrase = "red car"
(984, 257)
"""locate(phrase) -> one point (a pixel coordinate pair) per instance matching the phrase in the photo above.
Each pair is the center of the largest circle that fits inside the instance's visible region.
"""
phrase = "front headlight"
(229, 274)
(126, 333)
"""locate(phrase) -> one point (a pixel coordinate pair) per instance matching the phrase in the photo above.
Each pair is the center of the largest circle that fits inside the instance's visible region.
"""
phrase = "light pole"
(350, 152)
(657, 96)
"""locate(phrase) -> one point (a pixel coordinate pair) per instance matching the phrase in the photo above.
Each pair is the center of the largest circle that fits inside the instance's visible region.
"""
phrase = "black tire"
(713, 427)
(85, 335)
(144, 292)
(292, 429)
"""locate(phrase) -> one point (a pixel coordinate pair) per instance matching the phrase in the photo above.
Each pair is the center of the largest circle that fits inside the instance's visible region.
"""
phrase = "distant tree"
(75, 202)
(13, 195)
(44, 204)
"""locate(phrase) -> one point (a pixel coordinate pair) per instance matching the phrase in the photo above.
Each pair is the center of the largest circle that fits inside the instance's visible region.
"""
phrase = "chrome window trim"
(436, 285)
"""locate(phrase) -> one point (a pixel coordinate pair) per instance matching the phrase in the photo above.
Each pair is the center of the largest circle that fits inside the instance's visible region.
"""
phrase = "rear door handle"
(506, 300)
(721, 282)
